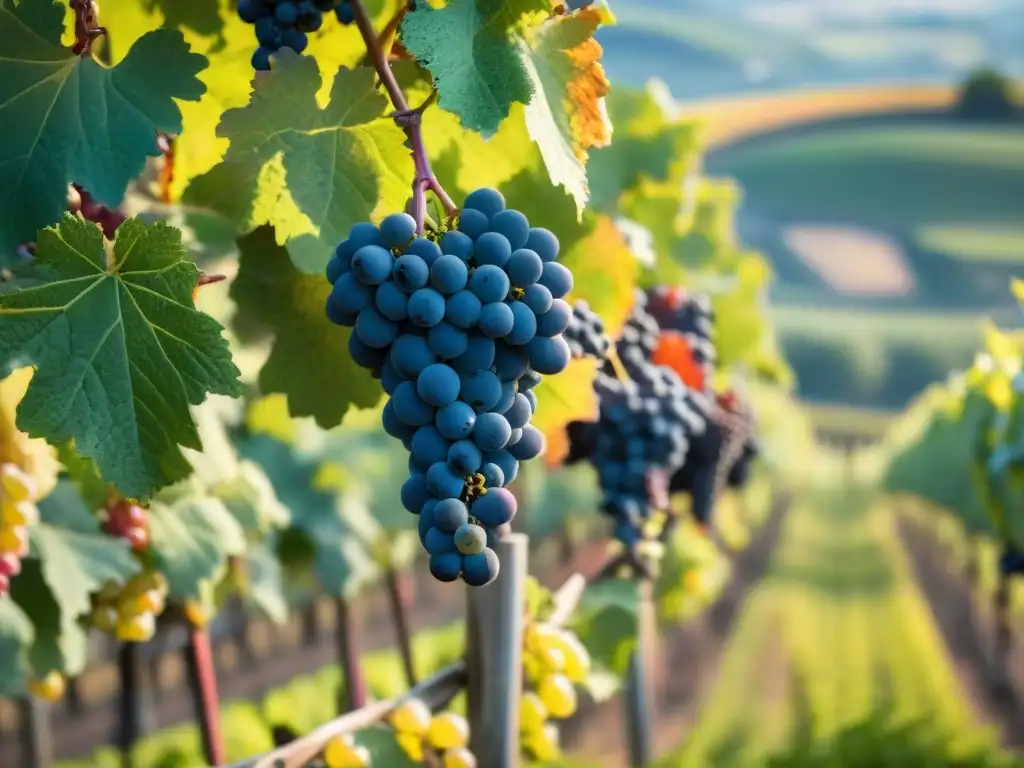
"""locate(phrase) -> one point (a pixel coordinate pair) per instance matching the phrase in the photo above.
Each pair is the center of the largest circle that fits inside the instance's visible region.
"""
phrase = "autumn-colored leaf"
(567, 396)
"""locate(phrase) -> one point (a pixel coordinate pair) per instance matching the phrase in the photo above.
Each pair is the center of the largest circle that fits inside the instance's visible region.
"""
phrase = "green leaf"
(475, 56)
(16, 634)
(311, 173)
(66, 118)
(119, 349)
(384, 750)
(74, 560)
(250, 498)
(309, 361)
(200, 16)
(607, 623)
(342, 564)
(191, 540)
(264, 586)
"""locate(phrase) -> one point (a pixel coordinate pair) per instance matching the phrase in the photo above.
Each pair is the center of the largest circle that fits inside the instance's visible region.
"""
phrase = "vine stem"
(409, 120)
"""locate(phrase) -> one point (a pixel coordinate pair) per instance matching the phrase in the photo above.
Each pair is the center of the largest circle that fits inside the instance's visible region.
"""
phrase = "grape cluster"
(554, 661)
(343, 752)
(129, 610)
(446, 735)
(586, 334)
(286, 24)
(127, 520)
(18, 513)
(645, 424)
(459, 328)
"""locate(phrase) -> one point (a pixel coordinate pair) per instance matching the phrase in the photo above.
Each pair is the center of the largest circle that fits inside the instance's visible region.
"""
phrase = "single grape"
(494, 508)
(414, 492)
(470, 539)
(268, 32)
(392, 302)
(462, 309)
(544, 243)
(10, 566)
(457, 244)
(393, 425)
(489, 284)
(506, 462)
(496, 319)
(464, 457)
(345, 12)
(486, 200)
(558, 695)
(577, 658)
(509, 389)
(479, 355)
(286, 13)
(537, 298)
(410, 272)
(456, 421)
(449, 274)
(524, 324)
(530, 445)
(518, 415)
(429, 446)
(50, 687)
(473, 223)
(137, 629)
(426, 307)
(548, 356)
(411, 716)
(261, 59)
(448, 731)
(493, 476)
(411, 354)
(438, 542)
(481, 390)
(447, 341)
(513, 225)
(339, 752)
(532, 713)
(556, 278)
(524, 268)
(480, 569)
(491, 432)
(458, 758)
(351, 296)
(510, 362)
(446, 566)
(15, 484)
(491, 248)
(426, 249)
(375, 330)
(250, 10)
(438, 385)
(443, 483)
(450, 515)
(555, 320)
(14, 540)
(372, 264)
(409, 407)
(398, 230)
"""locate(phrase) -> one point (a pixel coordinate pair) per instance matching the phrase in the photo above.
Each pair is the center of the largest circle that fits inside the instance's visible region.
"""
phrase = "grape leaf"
(604, 273)
(201, 16)
(16, 634)
(309, 361)
(264, 583)
(72, 559)
(191, 540)
(607, 623)
(312, 173)
(67, 118)
(567, 117)
(649, 144)
(342, 566)
(119, 349)
(473, 51)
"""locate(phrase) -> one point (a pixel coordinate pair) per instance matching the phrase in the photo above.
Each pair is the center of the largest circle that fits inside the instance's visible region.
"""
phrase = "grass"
(841, 612)
(897, 178)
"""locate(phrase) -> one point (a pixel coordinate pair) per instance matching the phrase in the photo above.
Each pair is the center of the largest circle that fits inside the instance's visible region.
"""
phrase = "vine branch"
(409, 120)
(86, 28)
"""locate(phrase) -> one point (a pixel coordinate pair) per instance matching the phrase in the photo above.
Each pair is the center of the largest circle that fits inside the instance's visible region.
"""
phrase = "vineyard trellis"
(155, 464)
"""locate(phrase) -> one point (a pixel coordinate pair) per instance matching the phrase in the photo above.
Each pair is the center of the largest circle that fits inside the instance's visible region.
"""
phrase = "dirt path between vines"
(690, 657)
(966, 626)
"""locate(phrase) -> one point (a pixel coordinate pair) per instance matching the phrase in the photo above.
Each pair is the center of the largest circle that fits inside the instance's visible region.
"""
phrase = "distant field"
(897, 178)
(736, 118)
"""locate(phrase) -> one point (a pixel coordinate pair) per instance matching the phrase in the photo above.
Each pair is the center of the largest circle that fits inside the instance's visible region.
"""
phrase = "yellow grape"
(536, 637)
(14, 513)
(361, 757)
(532, 713)
(195, 614)
(459, 758)
(412, 716)
(544, 743)
(137, 629)
(156, 581)
(14, 541)
(109, 592)
(49, 687)
(558, 696)
(411, 744)
(339, 752)
(552, 659)
(532, 666)
(15, 483)
(448, 731)
(577, 658)
(150, 601)
(104, 618)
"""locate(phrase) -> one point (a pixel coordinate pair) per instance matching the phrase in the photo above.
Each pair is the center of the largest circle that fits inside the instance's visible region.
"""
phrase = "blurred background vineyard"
(863, 164)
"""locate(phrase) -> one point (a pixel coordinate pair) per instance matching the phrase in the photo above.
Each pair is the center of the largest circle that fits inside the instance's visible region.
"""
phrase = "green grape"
(558, 696)
(543, 744)
(577, 658)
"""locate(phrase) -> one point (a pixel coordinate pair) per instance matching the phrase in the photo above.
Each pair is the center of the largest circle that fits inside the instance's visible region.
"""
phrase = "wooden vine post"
(494, 658)
(638, 696)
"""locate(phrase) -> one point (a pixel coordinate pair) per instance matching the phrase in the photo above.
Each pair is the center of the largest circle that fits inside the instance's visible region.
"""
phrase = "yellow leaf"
(1017, 287)
(270, 416)
(604, 273)
(568, 396)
